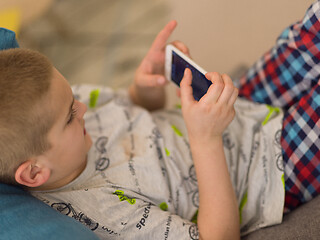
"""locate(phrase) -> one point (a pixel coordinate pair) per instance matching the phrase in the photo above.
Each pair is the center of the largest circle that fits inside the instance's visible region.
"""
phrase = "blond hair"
(25, 77)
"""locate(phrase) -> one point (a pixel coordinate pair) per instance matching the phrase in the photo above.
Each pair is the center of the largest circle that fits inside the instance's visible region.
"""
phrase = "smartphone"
(175, 64)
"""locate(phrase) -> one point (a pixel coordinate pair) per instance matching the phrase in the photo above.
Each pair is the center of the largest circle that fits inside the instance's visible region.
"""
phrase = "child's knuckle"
(229, 86)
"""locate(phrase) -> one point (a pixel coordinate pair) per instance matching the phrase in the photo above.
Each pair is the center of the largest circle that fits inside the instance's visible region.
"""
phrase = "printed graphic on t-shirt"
(67, 209)
(103, 162)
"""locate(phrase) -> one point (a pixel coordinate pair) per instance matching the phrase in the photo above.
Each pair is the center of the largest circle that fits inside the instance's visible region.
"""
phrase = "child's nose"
(83, 109)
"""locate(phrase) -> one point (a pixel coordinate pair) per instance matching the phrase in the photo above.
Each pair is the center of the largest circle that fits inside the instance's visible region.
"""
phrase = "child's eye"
(72, 115)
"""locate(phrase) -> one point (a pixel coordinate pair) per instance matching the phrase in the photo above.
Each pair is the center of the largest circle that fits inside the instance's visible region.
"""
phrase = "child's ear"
(31, 175)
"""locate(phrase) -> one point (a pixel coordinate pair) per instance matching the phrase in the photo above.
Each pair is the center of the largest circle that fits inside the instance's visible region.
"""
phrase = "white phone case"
(168, 61)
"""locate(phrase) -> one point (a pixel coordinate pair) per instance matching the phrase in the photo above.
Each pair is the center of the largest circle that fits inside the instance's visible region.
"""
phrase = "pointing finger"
(162, 37)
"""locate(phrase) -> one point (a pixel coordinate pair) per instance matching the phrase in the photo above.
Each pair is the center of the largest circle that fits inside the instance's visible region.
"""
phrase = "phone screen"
(200, 83)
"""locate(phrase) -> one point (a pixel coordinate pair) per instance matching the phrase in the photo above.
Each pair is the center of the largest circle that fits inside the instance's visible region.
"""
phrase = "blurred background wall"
(224, 34)
(103, 41)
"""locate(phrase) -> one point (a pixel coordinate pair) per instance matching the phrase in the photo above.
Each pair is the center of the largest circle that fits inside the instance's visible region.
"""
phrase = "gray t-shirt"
(140, 180)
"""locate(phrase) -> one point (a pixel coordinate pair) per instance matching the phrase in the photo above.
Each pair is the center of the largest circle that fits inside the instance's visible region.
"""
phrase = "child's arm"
(206, 120)
(147, 90)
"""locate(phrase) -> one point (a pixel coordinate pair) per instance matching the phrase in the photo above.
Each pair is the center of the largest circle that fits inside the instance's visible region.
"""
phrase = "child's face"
(70, 142)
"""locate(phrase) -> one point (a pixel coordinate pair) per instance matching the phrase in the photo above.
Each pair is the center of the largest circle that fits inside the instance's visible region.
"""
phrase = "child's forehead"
(61, 85)
(60, 93)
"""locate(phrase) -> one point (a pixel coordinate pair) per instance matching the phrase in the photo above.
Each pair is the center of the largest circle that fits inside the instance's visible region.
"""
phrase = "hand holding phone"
(209, 117)
(175, 64)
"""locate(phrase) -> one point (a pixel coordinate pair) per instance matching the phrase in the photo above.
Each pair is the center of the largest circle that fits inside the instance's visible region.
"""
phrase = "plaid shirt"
(288, 76)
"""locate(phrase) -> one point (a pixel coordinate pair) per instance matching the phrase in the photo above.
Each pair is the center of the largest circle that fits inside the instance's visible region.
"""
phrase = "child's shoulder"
(95, 95)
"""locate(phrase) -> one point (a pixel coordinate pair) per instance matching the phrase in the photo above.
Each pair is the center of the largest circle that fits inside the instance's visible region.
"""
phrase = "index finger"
(162, 37)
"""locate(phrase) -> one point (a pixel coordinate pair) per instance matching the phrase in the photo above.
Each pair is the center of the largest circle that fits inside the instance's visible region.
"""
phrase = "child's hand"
(209, 117)
(148, 86)
(150, 73)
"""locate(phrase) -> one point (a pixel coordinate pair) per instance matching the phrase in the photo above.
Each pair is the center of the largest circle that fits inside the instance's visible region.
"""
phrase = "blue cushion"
(7, 39)
(22, 216)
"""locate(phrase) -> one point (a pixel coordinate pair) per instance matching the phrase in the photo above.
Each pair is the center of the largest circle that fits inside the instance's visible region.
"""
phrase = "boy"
(52, 150)
(141, 179)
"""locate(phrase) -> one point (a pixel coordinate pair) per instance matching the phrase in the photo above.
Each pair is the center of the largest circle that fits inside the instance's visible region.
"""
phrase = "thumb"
(186, 89)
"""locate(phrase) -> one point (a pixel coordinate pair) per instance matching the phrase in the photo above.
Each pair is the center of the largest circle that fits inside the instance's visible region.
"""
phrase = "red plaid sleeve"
(288, 76)
(291, 68)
